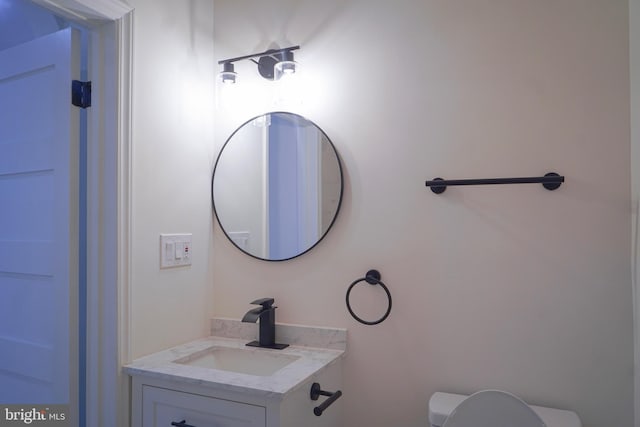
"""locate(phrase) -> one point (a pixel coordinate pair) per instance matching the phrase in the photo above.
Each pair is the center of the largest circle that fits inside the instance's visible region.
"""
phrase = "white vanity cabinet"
(219, 381)
(164, 407)
(162, 403)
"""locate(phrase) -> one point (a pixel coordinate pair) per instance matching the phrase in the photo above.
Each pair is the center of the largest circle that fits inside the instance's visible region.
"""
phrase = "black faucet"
(267, 331)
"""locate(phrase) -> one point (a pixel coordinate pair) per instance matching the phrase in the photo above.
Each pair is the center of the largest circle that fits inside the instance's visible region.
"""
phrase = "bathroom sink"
(260, 362)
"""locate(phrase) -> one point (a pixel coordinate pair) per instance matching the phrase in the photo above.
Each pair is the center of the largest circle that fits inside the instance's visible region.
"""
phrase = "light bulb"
(284, 68)
(289, 88)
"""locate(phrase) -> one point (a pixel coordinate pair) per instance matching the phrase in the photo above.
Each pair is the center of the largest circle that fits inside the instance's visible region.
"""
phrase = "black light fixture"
(272, 64)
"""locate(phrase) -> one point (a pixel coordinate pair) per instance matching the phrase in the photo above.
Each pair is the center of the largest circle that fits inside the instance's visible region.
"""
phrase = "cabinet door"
(161, 407)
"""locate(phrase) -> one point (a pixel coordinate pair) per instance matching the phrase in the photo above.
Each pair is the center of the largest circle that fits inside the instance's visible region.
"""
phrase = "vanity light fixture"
(272, 64)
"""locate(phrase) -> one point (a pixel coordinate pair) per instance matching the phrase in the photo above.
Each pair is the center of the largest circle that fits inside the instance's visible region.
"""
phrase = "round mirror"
(277, 186)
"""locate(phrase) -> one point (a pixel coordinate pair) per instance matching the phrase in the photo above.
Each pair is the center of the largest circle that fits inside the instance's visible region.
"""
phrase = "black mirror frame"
(335, 216)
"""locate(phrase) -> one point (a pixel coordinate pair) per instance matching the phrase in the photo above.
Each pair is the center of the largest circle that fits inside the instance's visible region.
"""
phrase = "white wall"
(512, 287)
(173, 156)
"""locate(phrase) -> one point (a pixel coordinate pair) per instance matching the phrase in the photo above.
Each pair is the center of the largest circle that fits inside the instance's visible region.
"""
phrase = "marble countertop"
(163, 365)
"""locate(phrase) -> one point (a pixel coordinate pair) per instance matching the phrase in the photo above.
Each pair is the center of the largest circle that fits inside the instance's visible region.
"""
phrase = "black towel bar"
(550, 181)
(316, 392)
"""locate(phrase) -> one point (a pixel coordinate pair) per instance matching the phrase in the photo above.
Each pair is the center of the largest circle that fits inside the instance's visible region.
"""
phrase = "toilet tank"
(442, 404)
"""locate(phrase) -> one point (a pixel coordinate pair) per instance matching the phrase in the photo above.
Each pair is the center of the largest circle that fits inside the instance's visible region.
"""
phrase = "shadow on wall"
(22, 20)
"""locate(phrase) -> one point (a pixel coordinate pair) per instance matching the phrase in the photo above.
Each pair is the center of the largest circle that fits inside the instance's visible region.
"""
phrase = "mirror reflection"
(277, 186)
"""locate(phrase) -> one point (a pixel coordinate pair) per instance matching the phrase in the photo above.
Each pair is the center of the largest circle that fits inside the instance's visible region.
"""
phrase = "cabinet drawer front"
(161, 407)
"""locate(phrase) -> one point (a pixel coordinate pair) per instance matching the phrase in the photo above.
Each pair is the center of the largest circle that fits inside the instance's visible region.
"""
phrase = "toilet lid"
(493, 408)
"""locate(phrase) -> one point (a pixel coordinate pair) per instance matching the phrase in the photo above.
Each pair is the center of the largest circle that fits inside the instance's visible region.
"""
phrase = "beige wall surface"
(509, 287)
(172, 159)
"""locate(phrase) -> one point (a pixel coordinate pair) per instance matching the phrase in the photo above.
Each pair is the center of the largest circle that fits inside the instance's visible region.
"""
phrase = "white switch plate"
(175, 250)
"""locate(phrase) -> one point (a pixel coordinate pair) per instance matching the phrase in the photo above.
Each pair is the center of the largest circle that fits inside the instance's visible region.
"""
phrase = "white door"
(39, 221)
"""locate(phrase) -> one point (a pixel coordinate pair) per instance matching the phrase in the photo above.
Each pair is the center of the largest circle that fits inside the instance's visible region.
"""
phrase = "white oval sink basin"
(259, 362)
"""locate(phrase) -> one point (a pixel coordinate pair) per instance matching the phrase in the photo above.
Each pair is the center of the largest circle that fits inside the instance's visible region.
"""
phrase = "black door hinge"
(81, 93)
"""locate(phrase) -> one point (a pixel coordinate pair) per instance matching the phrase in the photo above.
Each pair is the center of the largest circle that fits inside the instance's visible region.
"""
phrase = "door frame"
(110, 25)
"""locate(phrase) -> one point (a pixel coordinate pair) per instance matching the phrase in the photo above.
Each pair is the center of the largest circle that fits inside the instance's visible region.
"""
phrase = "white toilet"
(494, 408)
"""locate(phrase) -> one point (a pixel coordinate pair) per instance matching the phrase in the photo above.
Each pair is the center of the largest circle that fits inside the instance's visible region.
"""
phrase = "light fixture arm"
(271, 52)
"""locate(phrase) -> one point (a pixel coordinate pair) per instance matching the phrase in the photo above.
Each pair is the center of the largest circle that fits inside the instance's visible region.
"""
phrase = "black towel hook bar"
(551, 181)
(316, 392)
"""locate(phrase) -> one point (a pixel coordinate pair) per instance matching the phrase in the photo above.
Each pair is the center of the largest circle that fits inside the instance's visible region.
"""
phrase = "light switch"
(169, 250)
(175, 250)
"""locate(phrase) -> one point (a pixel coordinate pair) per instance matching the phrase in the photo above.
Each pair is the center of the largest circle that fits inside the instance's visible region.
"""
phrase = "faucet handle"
(266, 303)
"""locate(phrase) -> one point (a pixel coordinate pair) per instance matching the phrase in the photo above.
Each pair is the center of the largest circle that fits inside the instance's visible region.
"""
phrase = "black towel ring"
(373, 278)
